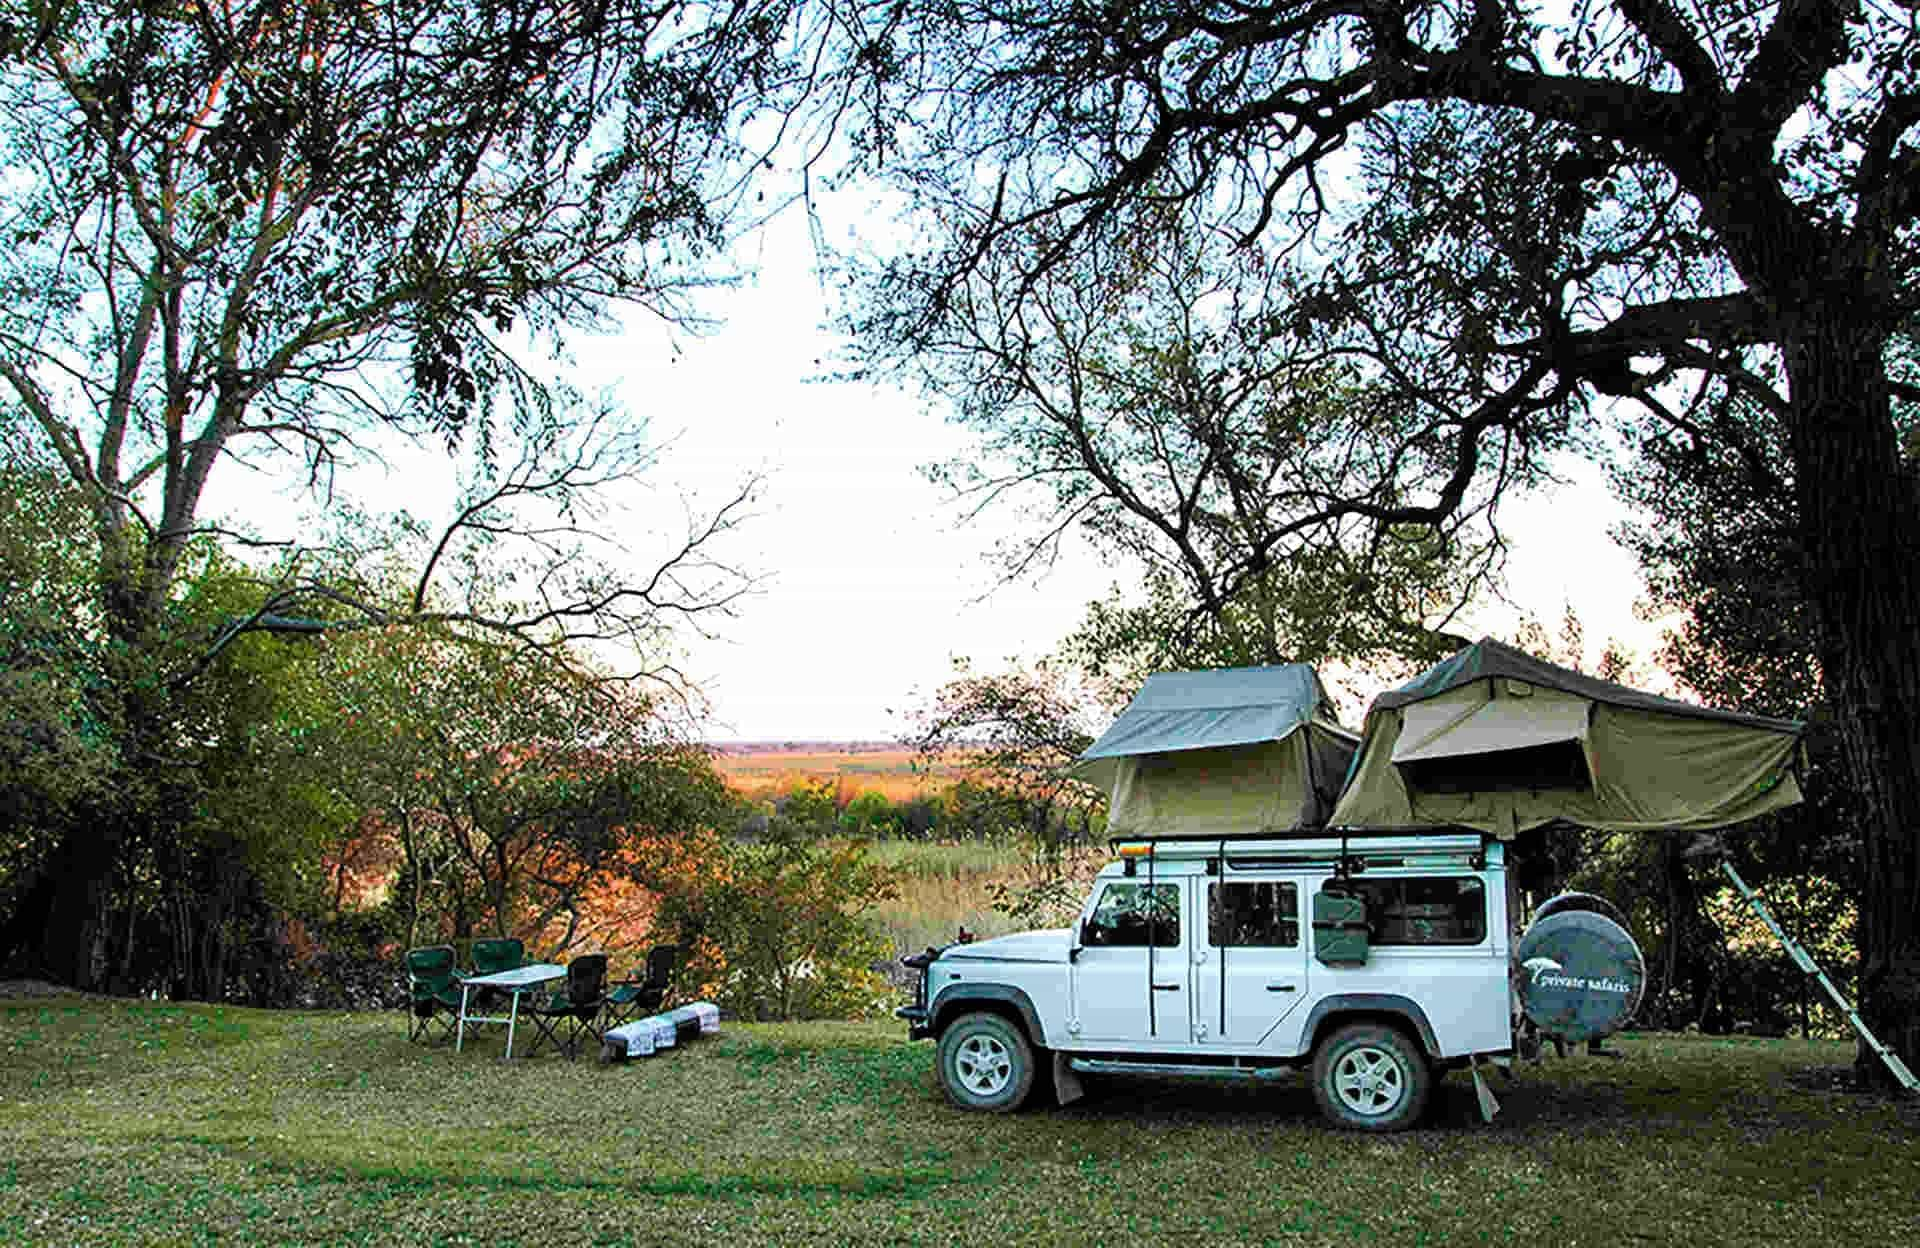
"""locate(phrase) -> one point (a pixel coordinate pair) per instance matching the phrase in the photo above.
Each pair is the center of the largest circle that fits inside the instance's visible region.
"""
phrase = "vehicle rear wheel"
(1370, 1077)
(985, 1063)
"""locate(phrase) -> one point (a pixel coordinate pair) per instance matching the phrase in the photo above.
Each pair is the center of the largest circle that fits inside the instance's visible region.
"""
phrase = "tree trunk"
(69, 914)
(1861, 528)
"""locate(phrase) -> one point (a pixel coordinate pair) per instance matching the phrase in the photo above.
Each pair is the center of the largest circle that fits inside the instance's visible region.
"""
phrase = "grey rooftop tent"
(1495, 739)
(1239, 749)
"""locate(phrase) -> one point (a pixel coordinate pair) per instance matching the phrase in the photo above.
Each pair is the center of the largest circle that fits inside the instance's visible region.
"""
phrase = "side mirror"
(1339, 929)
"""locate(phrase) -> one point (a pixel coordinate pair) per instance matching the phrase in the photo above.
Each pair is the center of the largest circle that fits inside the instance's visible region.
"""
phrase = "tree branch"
(1808, 39)
(1657, 20)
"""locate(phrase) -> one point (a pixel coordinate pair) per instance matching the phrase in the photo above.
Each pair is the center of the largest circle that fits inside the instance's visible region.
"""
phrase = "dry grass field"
(943, 885)
(763, 772)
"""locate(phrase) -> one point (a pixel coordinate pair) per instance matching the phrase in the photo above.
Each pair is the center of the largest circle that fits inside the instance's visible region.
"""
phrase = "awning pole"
(1806, 963)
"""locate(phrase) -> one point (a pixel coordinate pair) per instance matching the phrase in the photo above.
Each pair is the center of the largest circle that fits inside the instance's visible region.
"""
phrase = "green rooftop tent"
(1495, 739)
(1239, 749)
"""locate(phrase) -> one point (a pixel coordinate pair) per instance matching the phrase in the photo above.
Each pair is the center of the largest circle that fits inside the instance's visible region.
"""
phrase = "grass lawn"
(123, 1122)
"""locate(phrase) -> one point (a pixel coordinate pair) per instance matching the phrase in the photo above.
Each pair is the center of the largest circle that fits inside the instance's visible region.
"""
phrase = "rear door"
(1130, 980)
(1250, 972)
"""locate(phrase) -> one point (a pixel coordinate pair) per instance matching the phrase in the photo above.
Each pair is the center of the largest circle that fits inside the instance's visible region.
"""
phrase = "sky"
(872, 584)
(868, 584)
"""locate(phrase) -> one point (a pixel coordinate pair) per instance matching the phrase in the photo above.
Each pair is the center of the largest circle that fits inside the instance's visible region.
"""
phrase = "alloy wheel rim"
(1369, 1081)
(984, 1065)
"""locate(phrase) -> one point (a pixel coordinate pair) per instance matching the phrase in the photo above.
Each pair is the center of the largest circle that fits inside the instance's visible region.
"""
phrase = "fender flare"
(949, 1000)
(1405, 1008)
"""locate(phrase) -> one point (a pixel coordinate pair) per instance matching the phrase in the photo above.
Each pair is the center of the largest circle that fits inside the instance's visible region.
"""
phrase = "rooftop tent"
(1240, 749)
(1495, 739)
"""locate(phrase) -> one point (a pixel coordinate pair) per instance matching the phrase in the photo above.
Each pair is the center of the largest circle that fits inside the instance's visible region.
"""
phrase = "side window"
(1128, 915)
(1447, 910)
(1253, 912)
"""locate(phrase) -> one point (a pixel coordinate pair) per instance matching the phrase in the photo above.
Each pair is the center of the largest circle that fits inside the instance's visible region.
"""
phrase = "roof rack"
(1362, 835)
(1348, 850)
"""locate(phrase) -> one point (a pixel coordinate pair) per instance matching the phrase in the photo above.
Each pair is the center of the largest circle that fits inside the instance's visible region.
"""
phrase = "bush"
(351, 962)
(776, 929)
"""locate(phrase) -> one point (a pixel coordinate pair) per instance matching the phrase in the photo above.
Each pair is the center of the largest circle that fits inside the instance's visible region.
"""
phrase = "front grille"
(920, 962)
(916, 1014)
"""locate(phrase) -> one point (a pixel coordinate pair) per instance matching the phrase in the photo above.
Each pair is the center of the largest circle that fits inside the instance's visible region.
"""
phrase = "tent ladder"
(1807, 965)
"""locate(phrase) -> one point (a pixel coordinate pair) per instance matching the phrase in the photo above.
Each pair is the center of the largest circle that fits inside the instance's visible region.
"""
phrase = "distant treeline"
(965, 810)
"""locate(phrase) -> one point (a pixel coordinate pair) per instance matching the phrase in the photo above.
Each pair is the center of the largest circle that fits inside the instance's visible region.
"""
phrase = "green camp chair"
(576, 1009)
(434, 986)
(497, 953)
(629, 999)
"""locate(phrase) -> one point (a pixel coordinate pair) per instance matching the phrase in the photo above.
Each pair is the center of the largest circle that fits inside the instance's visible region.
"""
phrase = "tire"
(985, 1063)
(1370, 1077)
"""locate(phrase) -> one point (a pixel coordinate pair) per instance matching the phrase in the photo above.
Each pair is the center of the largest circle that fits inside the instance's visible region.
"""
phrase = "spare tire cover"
(1579, 901)
(1580, 975)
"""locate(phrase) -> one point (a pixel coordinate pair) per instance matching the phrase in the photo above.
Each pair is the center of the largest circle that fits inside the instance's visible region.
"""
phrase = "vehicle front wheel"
(1370, 1077)
(985, 1063)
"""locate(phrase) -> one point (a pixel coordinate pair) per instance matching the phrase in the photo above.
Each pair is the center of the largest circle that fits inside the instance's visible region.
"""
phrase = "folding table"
(517, 981)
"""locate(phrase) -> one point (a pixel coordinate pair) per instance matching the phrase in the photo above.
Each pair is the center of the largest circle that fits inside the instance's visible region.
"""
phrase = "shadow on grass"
(1148, 1102)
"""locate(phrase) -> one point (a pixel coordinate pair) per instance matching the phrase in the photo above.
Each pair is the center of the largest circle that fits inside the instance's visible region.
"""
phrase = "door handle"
(1281, 987)
(1166, 987)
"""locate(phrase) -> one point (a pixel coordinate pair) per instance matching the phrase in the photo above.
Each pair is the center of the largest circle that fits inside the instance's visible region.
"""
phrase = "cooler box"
(638, 1038)
(643, 1037)
(690, 1021)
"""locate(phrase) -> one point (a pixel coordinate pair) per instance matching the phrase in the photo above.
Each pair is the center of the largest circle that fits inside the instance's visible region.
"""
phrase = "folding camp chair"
(628, 999)
(576, 1009)
(496, 953)
(434, 988)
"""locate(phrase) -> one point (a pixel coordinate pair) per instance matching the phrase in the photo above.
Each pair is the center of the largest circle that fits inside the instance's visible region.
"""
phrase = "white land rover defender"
(1376, 960)
(1370, 938)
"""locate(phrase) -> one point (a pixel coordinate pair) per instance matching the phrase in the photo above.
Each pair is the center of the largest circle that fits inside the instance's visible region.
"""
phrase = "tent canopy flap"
(1496, 739)
(1226, 706)
(1231, 750)
(1494, 736)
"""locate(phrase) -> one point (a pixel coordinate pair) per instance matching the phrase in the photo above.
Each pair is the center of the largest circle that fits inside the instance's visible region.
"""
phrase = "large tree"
(270, 232)
(1718, 543)
(1134, 393)
(1504, 211)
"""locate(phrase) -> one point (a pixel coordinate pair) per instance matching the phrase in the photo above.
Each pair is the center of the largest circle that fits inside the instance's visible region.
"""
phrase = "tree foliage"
(1018, 733)
(776, 926)
(280, 234)
(510, 785)
(56, 740)
(1142, 393)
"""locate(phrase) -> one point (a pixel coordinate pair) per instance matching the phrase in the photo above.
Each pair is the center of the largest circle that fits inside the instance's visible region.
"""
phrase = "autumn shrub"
(776, 928)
